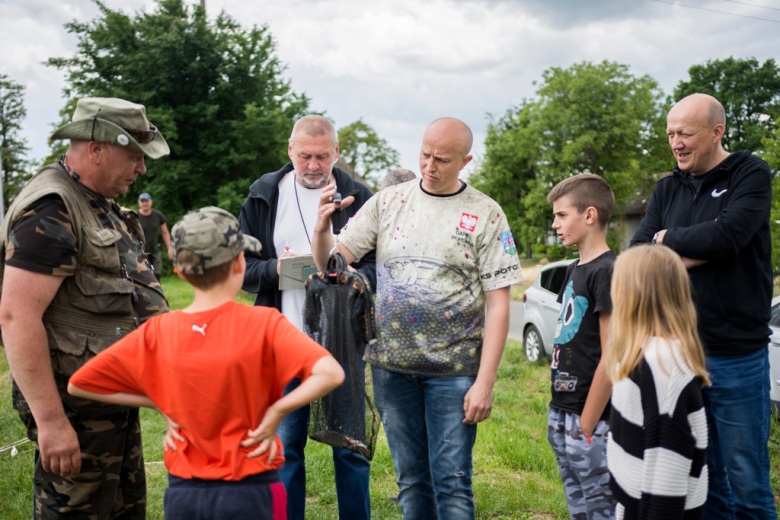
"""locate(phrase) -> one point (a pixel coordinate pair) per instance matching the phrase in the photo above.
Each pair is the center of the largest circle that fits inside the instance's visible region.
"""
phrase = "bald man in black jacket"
(713, 210)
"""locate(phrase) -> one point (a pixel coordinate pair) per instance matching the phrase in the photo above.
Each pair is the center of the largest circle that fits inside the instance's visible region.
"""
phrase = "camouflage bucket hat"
(215, 237)
(114, 121)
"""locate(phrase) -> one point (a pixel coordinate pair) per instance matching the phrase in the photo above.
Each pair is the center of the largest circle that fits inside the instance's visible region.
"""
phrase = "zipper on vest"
(126, 276)
(133, 234)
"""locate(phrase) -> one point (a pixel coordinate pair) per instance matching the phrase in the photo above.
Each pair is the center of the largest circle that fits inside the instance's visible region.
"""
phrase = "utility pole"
(2, 169)
(2, 195)
(203, 4)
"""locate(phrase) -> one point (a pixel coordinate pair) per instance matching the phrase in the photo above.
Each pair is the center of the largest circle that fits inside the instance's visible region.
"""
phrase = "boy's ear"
(591, 215)
(239, 263)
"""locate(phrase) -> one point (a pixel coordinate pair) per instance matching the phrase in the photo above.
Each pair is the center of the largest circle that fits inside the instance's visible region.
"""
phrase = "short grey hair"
(397, 176)
(314, 125)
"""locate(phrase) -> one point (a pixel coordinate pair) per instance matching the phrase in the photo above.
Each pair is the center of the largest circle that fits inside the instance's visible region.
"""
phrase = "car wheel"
(532, 341)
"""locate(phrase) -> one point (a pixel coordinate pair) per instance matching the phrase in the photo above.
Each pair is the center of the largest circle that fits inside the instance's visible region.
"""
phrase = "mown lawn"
(515, 475)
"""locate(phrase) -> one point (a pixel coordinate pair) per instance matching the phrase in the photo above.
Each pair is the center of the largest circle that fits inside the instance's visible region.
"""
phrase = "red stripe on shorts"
(280, 501)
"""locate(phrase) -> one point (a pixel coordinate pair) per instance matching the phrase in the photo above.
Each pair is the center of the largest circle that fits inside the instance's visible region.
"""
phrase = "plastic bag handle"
(337, 265)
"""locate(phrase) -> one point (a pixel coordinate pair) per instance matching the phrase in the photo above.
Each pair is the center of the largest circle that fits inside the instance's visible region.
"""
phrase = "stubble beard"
(312, 185)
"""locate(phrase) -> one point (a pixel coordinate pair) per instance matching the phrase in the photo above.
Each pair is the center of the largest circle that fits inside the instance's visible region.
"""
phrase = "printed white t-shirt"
(436, 257)
(290, 230)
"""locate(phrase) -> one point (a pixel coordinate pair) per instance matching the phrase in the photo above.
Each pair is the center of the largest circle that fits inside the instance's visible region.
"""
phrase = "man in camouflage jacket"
(75, 279)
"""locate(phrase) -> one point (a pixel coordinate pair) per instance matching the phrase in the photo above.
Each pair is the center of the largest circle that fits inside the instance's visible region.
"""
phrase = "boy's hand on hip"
(478, 403)
(172, 435)
(265, 435)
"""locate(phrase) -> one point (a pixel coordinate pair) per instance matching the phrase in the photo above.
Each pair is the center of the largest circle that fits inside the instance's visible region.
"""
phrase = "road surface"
(516, 320)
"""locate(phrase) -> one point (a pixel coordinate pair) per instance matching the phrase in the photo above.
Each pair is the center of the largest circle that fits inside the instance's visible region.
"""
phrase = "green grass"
(515, 474)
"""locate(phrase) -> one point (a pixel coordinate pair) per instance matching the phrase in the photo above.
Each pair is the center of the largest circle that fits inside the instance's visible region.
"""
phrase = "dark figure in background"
(397, 176)
(153, 221)
(714, 212)
(75, 280)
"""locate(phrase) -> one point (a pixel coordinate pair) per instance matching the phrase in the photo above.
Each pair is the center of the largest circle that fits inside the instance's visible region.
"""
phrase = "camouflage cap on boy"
(215, 237)
(114, 121)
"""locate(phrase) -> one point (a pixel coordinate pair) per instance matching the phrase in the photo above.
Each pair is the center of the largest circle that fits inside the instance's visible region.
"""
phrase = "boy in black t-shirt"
(579, 411)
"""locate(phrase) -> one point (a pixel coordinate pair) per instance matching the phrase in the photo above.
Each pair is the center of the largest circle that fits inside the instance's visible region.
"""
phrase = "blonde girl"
(656, 453)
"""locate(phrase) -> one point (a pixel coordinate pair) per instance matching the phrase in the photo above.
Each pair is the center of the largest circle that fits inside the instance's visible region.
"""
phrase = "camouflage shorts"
(112, 482)
(583, 466)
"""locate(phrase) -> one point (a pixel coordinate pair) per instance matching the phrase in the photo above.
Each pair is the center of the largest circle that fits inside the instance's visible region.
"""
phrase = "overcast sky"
(399, 65)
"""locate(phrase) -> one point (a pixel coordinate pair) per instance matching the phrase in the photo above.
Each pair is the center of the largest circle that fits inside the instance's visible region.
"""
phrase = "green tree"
(749, 92)
(58, 148)
(13, 148)
(589, 118)
(771, 154)
(366, 152)
(213, 88)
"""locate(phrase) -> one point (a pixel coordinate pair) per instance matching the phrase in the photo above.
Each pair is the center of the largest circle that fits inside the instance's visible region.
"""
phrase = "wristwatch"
(655, 238)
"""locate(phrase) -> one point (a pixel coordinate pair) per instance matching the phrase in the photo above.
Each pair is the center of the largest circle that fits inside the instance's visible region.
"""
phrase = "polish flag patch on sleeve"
(468, 222)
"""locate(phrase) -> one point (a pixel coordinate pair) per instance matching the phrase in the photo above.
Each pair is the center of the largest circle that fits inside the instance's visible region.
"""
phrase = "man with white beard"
(281, 211)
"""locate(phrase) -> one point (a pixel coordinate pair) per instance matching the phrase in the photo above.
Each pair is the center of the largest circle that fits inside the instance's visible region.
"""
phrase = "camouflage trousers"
(583, 466)
(112, 482)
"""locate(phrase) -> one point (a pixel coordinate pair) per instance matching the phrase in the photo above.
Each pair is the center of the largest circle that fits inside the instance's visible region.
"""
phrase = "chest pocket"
(99, 285)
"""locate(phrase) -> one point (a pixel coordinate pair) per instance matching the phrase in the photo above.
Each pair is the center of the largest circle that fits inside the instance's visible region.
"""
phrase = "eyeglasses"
(140, 136)
(143, 136)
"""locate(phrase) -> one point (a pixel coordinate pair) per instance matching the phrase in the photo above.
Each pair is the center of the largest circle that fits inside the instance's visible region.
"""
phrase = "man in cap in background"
(151, 222)
(75, 280)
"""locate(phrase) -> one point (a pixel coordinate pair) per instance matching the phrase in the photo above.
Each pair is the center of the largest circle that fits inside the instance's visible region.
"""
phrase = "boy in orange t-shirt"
(217, 370)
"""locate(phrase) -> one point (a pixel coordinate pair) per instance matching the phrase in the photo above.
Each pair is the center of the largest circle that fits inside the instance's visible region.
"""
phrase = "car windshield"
(775, 319)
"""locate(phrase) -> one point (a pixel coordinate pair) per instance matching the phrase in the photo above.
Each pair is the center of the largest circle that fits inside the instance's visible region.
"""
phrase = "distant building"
(344, 165)
(632, 215)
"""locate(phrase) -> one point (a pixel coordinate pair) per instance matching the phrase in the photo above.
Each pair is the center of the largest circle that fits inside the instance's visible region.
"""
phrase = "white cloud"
(399, 65)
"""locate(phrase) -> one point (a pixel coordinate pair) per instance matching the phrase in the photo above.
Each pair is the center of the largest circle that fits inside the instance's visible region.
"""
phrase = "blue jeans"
(352, 469)
(738, 419)
(430, 444)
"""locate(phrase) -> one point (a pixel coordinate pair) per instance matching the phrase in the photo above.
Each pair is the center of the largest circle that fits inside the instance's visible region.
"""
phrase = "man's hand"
(170, 254)
(286, 254)
(265, 435)
(59, 447)
(478, 403)
(690, 263)
(26, 296)
(327, 208)
(322, 241)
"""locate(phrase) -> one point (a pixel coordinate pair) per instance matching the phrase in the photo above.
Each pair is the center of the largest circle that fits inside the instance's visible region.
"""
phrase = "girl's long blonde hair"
(651, 296)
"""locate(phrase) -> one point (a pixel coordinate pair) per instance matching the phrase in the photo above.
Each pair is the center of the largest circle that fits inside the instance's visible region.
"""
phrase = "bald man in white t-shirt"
(444, 252)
